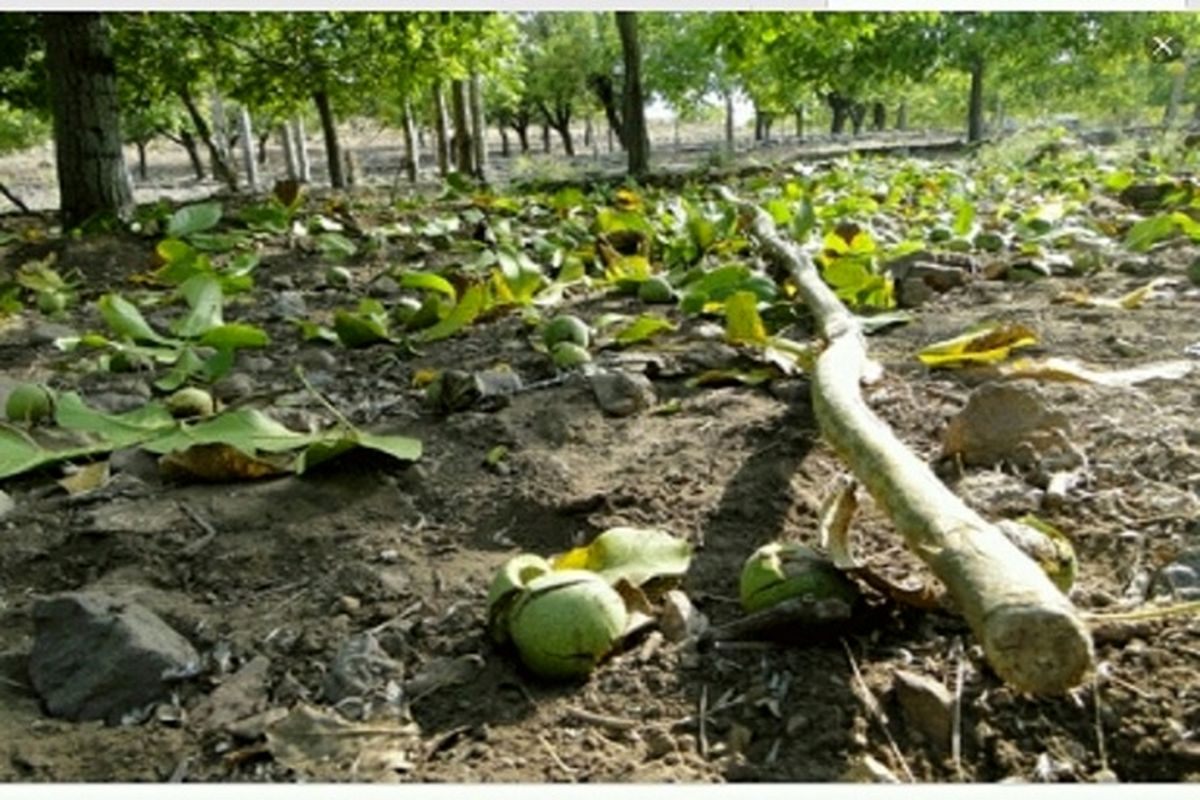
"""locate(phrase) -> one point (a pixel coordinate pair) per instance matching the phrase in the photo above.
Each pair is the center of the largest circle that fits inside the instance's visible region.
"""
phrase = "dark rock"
(1179, 579)
(290, 304)
(95, 657)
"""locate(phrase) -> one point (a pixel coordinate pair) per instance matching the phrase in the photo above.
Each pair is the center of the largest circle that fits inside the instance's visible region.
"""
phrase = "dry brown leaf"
(218, 463)
(321, 744)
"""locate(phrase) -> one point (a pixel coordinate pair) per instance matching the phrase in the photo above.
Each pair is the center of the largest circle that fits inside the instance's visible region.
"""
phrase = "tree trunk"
(523, 136)
(637, 142)
(263, 138)
(729, 123)
(840, 107)
(563, 128)
(441, 126)
(799, 112)
(246, 134)
(758, 124)
(611, 136)
(412, 153)
(589, 133)
(143, 174)
(351, 171)
(478, 127)
(221, 170)
(300, 137)
(290, 160)
(603, 89)
(975, 112)
(333, 148)
(878, 116)
(902, 116)
(858, 116)
(92, 177)
(464, 151)
(188, 142)
(505, 149)
(220, 127)
(545, 138)
(1175, 99)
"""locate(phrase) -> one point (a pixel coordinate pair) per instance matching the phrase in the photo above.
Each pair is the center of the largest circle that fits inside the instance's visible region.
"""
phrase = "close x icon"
(1164, 47)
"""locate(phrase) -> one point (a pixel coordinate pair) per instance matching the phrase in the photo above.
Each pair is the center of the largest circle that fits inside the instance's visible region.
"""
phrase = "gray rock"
(47, 332)
(116, 402)
(360, 668)
(290, 304)
(1179, 579)
(95, 657)
(315, 358)
(258, 363)
(135, 461)
(384, 287)
(928, 707)
(622, 394)
(679, 618)
(7, 504)
(234, 387)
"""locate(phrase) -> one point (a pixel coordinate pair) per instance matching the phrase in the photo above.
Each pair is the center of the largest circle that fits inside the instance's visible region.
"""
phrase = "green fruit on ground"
(991, 242)
(568, 355)
(656, 289)
(51, 302)
(940, 235)
(566, 622)
(566, 328)
(191, 402)
(510, 581)
(782, 570)
(29, 402)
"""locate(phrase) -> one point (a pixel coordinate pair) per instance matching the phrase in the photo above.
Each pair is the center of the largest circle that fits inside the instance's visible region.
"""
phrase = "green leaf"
(203, 295)
(743, 325)
(336, 247)
(217, 242)
(634, 555)
(194, 219)
(235, 335)
(1150, 231)
(428, 281)
(120, 430)
(246, 429)
(125, 320)
(186, 366)
(643, 328)
(964, 216)
(469, 307)
(359, 330)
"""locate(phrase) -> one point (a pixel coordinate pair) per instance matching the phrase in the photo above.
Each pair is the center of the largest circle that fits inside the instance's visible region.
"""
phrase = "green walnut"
(565, 622)
(51, 302)
(511, 579)
(784, 570)
(566, 328)
(568, 355)
(29, 403)
(656, 289)
(191, 402)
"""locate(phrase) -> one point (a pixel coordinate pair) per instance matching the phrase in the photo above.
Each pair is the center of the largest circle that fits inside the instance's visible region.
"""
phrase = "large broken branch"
(1031, 634)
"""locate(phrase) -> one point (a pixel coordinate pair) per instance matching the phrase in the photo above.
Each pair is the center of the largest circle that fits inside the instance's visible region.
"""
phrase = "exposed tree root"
(1032, 635)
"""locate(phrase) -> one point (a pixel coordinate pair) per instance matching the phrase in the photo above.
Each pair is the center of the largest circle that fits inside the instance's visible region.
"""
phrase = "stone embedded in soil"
(1179, 579)
(48, 332)
(95, 657)
(928, 707)
(7, 504)
(289, 304)
(234, 387)
(1005, 421)
(679, 618)
(361, 668)
(242, 695)
(622, 394)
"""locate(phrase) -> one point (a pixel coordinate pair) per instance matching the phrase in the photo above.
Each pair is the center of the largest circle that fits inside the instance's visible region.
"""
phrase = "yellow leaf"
(627, 200)
(1068, 371)
(86, 478)
(985, 345)
(572, 559)
(743, 325)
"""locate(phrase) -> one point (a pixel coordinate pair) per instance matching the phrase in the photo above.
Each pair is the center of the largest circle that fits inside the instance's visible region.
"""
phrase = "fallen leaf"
(321, 744)
(1068, 371)
(86, 478)
(987, 344)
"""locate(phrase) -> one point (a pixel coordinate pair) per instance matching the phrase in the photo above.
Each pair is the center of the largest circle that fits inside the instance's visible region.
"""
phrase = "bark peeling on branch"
(1032, 635)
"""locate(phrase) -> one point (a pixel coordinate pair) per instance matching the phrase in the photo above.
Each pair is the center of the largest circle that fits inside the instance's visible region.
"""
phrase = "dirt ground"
(289, 569)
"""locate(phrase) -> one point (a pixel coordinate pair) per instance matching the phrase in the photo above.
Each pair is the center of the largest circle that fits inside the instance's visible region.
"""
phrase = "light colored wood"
(1032, 635)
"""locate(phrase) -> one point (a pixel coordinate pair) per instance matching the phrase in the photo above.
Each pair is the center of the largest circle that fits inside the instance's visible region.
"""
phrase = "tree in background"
(92, 178)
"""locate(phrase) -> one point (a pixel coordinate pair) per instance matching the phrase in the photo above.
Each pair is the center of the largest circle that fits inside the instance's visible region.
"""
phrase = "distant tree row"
(221, 84)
